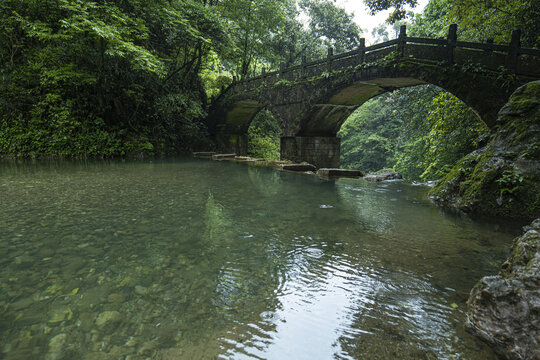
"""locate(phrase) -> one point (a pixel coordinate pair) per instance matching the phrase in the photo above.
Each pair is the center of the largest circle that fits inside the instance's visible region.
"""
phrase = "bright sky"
(368, 22)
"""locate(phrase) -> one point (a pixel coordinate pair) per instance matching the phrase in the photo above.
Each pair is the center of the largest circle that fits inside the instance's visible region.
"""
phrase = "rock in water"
(107, 320)
(56, 346)
(141, 290)
(504, 310)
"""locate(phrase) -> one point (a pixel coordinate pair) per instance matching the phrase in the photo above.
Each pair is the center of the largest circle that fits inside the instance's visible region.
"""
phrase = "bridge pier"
(323, 152)
(233, 143)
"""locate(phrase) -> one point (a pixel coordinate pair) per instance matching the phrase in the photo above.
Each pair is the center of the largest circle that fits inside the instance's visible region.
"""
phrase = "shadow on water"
(198, 259)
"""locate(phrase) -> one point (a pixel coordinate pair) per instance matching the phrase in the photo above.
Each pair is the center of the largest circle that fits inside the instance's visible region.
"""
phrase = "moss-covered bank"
(503, 178)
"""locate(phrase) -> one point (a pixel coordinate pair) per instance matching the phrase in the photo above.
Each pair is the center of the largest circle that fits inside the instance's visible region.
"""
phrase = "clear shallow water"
(194, 259)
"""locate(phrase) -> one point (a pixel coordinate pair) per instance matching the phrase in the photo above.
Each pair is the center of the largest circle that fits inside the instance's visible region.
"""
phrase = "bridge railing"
(517, 60)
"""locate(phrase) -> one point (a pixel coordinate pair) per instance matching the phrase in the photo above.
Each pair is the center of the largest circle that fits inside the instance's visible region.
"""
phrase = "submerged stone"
(115, 298)
(107, 320)
(21, 304)
(58, 315)
(56, 346)
(504, 310)
(141, 290)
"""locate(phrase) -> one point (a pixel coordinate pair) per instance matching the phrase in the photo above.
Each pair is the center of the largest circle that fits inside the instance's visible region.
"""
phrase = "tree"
(397, 7)
(479, 20)
(332, 25)
(251, 25)
(380, 33)
(102, 79)
(433, 22)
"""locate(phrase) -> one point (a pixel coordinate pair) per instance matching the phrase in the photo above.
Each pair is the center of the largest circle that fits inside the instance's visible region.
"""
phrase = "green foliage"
(263, 137)
(420, 132)
(480, 20)
(369, 136)
(509, 181)
(398, 7)
(332, 25)
(380, 33)
(432, 22)
(455, 131)
(103, 79)
(476, 20)
(441, 137)
(251, 25)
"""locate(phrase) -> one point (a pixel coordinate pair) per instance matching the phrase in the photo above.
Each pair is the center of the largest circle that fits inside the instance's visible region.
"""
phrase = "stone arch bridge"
(312, 100)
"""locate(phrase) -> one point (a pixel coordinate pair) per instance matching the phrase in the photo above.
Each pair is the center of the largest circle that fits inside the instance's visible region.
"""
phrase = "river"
(194, 259)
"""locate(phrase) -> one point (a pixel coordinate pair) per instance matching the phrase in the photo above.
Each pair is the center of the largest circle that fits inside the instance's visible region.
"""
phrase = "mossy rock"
(503, 309)
(502, 179)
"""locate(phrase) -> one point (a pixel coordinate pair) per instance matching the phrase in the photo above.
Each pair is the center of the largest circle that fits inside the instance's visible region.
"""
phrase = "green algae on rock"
(503, 178)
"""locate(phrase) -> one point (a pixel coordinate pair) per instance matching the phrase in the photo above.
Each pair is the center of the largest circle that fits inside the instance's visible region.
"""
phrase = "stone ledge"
(222, 156)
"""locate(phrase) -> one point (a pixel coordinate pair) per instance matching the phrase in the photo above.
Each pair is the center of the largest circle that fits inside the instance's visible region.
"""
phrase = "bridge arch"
(326, 115)
(232, 132)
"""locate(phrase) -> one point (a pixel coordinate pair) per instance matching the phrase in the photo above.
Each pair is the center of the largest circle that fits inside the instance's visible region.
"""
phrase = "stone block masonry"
(323, 152)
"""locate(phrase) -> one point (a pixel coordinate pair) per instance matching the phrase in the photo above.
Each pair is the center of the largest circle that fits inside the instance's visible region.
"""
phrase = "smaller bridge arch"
(231, 134)
(312, 100)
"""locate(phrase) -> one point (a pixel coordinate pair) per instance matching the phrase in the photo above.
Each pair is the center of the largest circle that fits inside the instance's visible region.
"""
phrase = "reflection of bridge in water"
(312, 100)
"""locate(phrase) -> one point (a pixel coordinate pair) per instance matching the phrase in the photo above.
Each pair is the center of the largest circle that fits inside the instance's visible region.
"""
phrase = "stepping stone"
(245, 159)
(222, 156)
(339, 172)
(298, 167)
(203, 154)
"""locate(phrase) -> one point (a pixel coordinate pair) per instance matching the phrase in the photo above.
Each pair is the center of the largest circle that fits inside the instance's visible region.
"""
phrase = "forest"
(96, 79)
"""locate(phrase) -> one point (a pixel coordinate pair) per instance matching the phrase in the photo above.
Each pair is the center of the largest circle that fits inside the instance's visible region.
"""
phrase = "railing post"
(329, 57)
(513, 51)
(304, 62)
(362, 50)
(451, 45)
(402, 40)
